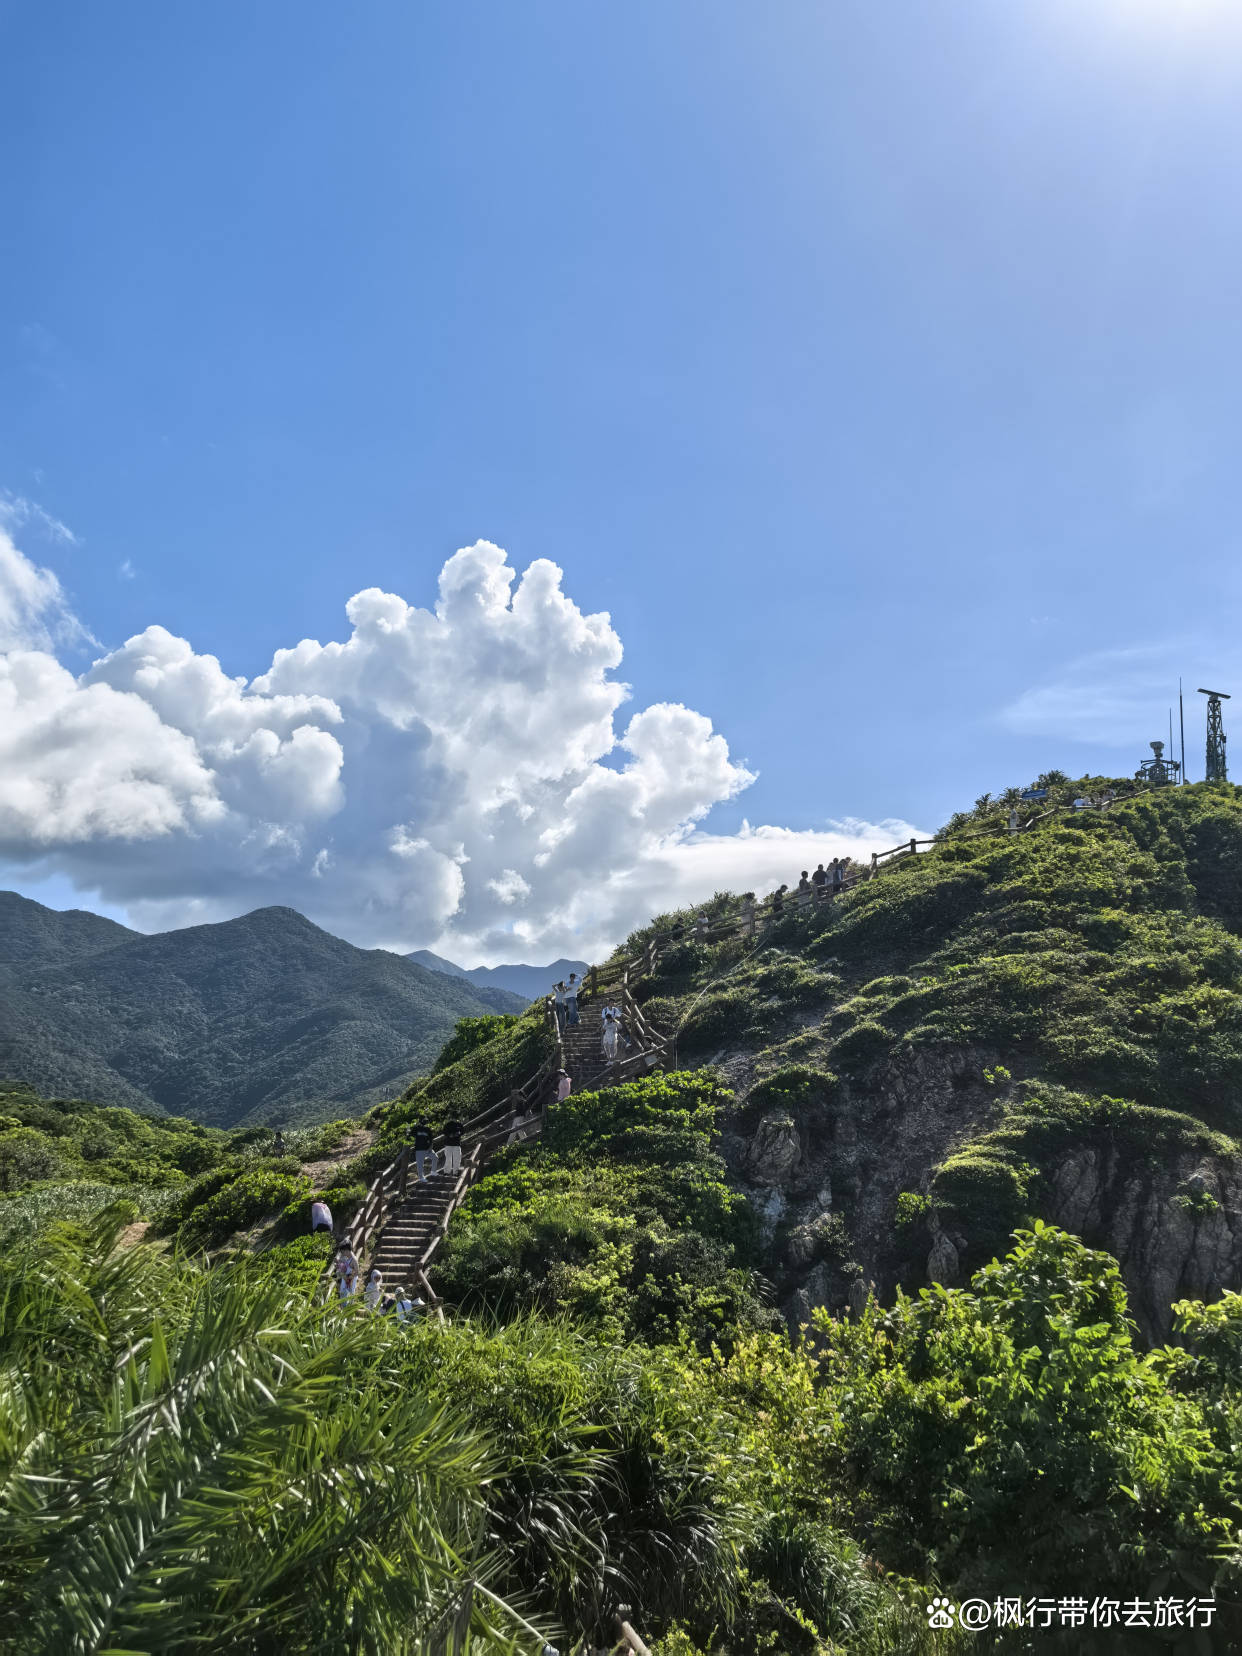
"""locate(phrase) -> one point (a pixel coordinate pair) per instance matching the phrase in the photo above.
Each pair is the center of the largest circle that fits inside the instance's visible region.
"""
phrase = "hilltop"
(1043, 1024)
(260, 1019)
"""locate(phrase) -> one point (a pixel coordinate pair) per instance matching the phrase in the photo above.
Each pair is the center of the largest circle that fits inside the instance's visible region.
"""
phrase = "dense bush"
(257, 1192)
(469, 1033)
(25, 1156)
(71, 1141)
(481, 1078)
(621, 1216)
(1014, 1433)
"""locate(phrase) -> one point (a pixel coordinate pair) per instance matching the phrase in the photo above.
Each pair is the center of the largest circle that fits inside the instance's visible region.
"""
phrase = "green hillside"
(261, 1019)
(1042, 1024)
(910, 1277)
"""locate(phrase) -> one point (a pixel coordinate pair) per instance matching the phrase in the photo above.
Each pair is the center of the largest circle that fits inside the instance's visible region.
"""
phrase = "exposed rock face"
(1176, 1228)
(774, 1151)
(943, 1265)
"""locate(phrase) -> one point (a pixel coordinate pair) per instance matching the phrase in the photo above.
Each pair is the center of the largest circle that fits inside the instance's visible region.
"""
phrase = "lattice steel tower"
(1216, 771)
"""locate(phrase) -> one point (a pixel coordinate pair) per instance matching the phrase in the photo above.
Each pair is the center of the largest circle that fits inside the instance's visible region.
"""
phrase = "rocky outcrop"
(1176, 1230)
(774, 1151)
(1175, 1227)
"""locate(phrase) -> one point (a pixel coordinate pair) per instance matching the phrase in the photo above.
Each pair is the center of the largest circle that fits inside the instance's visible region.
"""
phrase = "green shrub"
(469, 1033)
(1012, 1432)
(861, 1046)
(258, 1193)
(474, 1082)
(621, 1217)
(27, 1155)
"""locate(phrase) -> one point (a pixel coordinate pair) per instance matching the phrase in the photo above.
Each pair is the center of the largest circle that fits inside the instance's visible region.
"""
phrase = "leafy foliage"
(1012, 1432)
(469, 1033)
(203, 1462)
(481, 1077)
(621, 1216)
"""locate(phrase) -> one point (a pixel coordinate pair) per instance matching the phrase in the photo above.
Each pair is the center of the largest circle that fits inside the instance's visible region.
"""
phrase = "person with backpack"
(406, 1308)
(452, 1146)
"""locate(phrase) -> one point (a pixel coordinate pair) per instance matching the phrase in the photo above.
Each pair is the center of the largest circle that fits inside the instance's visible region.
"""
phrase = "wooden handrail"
(629, 1639)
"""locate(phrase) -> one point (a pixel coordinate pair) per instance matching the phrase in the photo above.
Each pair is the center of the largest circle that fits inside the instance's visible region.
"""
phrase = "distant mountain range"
(261, 1019)
(527, 981)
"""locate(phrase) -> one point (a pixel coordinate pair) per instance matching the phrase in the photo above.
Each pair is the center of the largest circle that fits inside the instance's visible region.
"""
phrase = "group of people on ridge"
(825, 882)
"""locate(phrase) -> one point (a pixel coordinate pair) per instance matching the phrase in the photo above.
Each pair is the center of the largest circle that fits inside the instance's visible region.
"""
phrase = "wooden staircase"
(402, 1222)
(581, 1048)
(407, 1235)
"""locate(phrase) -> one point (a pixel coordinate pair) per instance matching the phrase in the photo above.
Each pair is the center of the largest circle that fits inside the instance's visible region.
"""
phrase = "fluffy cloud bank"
(451, 777)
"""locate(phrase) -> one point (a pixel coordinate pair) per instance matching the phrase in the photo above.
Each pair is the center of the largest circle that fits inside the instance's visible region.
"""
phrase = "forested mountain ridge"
(527, 982)
(263, 1018)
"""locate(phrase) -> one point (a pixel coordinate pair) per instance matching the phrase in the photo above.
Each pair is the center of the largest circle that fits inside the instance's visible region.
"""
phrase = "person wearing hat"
(404, 1308)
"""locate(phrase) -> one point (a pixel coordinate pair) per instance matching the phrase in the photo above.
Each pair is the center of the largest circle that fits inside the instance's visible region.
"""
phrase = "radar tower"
(1216, 771)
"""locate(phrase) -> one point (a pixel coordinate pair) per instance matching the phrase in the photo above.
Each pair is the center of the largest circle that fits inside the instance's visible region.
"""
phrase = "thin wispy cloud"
(17, 512)
(1117, 698)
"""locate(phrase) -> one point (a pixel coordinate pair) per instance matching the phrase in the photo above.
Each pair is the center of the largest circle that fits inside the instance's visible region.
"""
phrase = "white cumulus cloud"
(452, 777)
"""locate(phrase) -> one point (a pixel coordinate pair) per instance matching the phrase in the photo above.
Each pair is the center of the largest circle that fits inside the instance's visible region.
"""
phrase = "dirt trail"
(319, 1172)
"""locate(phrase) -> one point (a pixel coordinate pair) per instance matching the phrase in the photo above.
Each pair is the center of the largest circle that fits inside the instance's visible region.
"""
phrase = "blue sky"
(873, 367)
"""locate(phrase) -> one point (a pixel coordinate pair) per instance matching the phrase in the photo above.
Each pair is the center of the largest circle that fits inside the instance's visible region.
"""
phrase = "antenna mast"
(1181, 720)
(1216, 771)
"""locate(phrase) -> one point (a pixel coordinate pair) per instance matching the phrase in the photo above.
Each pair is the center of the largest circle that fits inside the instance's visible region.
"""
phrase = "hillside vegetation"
(912, 1277)
(1043, 1024)
(202, 1187)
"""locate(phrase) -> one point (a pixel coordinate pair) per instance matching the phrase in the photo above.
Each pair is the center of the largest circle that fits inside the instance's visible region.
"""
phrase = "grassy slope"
(1096, 959)
(68, 1159)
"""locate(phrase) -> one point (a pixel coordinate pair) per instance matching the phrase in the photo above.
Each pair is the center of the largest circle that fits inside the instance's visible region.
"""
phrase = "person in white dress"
(610, 1037)
(374, 1290)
